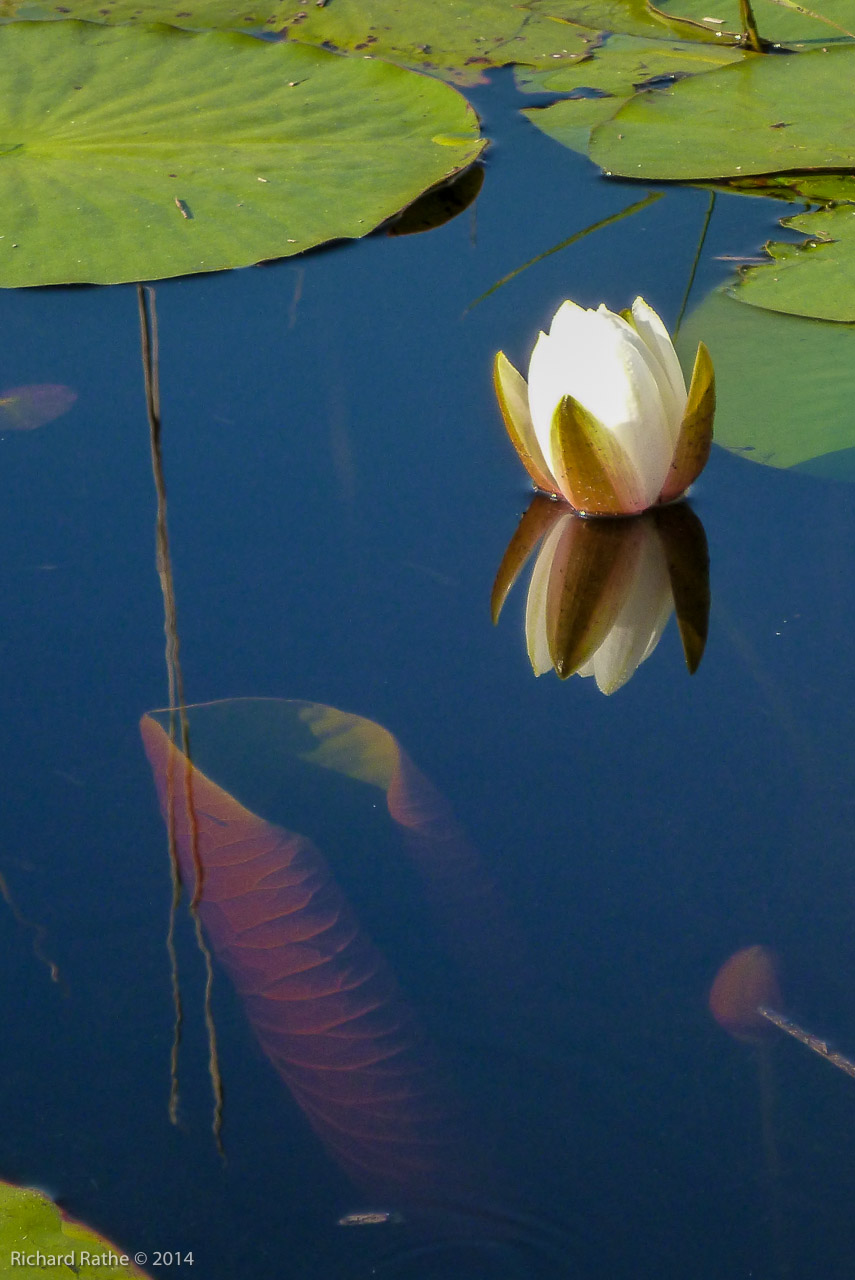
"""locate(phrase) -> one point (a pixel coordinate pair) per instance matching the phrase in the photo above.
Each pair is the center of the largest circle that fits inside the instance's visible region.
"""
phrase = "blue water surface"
(341, 493)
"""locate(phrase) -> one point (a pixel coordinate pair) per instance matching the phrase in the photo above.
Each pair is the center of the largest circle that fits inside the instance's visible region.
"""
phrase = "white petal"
(587, 669)
(641, 621)
(599, 359)
(564, 322)
(646, 432)
(536, 602)
(546, 386)
(672, 383)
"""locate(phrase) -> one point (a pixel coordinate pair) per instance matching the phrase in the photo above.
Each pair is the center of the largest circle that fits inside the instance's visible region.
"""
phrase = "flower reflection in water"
(601, 592)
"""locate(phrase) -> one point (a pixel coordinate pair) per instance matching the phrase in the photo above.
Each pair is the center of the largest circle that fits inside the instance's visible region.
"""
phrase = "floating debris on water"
(369, 1218)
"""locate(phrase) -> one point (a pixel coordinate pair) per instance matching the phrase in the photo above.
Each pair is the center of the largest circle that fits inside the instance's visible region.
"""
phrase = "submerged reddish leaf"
(320, 996)
(745, 983)
(468, 913)
(23, 408)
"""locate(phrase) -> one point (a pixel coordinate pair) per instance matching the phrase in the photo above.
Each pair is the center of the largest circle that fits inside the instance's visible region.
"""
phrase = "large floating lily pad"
(458, 39)
(455, 39)
(31, 1224)
(603, 82)
(196, 15)
(765, 114)
(570, 121)
(815, 278)
(776, 19)
(622, 65)
(629, 17)
(130, 154)
(785, 386)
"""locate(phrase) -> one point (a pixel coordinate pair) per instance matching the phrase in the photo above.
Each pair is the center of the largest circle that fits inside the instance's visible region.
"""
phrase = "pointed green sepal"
(531, 528)
(512, 395)
(593, 470)
(696, 430)
(687, 556)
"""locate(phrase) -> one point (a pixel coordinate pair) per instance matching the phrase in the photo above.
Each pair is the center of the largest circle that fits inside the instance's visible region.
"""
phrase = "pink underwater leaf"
(459, 891)
(24, 408)
(320, 996)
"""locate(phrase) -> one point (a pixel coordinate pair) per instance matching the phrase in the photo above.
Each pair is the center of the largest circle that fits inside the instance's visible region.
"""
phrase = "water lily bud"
(605, 421)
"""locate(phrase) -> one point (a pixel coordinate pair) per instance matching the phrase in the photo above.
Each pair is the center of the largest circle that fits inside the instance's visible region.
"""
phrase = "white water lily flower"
(605, 420)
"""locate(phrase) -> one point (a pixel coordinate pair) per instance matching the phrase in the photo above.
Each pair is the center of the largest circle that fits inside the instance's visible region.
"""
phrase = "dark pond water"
(340, 496)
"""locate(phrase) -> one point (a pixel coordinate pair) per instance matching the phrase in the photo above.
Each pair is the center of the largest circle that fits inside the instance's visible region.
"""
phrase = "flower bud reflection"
(601, 592)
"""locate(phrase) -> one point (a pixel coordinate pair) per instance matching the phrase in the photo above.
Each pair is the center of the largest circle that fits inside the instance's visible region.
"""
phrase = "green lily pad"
(765, 114)
(195, 15)
(776, 20)
(627, 17)
(622, 65)
(785, 385)
(570, 121)
(815, 188)
(609, 77)
(32, 1225)
(815, 278)
(131, 154)
(454, 39)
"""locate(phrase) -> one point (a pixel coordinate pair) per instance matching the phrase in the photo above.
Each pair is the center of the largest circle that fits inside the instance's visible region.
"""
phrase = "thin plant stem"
(649, 199)
(696, 261)
(809, 1040)
(772, 1161)
(750, 34)
(37, 932)
(177, 717)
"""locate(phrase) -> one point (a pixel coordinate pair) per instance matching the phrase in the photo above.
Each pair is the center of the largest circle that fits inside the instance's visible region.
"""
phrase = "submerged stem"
(695, 261)
(177, 718)
(809, 1040)
(636, 207)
